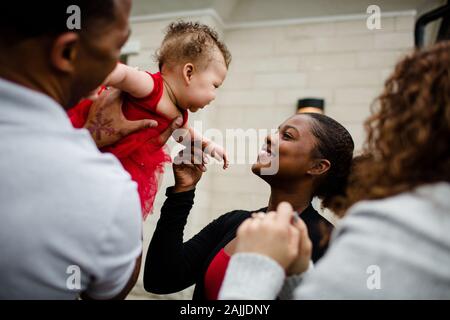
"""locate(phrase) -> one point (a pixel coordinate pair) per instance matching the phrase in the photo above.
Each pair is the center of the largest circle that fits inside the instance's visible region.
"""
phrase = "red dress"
(215, 274)
(141, 158)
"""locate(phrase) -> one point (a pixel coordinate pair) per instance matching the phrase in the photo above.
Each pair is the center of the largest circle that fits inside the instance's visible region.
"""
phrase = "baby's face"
(204, 83)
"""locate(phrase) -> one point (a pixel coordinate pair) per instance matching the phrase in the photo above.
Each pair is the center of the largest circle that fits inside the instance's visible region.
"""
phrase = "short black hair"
(334, 143)
(21, 20)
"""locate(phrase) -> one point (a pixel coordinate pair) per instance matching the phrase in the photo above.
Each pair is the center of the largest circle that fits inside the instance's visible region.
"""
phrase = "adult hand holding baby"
(107, 123)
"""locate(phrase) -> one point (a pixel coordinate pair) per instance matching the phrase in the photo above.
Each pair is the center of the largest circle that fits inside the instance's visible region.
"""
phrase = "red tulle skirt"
(139, 155)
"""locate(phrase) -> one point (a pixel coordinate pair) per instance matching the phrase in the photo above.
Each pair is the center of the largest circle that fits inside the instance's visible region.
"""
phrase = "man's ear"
(188, 71)
(319, 167)
(64, 52)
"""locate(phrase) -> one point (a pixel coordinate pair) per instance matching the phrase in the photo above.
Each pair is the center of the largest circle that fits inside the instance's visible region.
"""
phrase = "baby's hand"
(218, 152)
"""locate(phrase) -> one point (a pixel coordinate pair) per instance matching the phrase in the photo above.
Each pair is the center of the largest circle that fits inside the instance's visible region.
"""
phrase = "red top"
(143, 160)
(215, 274)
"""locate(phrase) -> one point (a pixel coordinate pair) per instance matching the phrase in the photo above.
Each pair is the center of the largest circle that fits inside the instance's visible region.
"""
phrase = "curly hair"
(190, 41)
(335, 144)
(408, 132)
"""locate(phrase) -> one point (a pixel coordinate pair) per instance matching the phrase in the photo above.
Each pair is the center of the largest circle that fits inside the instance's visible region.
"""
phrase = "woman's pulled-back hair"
(190, 42)
(335, 144)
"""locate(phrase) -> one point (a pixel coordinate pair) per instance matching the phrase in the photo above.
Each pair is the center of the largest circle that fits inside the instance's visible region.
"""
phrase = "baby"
(193, 63)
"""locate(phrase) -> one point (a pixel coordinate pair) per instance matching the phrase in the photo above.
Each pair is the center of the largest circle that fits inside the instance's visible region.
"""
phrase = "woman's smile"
(266, 154)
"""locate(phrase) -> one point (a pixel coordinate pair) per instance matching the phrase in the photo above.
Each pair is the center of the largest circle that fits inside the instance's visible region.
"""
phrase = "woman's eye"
(287, 135)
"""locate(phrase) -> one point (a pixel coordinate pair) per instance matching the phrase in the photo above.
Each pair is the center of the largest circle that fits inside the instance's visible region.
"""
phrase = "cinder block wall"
(340, 61)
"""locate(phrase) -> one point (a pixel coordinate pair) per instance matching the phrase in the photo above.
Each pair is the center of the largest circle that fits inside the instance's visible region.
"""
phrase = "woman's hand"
(188, 169)
(106, 121)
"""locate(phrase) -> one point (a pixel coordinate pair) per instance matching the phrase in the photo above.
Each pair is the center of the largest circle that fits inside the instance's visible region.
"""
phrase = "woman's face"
(293, 144)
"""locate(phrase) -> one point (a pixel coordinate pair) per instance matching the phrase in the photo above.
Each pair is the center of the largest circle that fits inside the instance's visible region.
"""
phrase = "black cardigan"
(172, 265)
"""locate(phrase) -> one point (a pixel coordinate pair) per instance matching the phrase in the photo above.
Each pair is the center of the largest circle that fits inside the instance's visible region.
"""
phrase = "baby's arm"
(137, 83)
(211, 148)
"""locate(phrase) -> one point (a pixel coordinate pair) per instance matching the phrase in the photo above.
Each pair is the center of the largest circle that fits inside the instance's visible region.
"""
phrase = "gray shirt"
(70, 215)
(395, 248)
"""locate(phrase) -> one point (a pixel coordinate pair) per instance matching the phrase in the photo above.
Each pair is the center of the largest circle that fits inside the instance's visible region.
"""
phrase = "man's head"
(38, 50)
(197, 61)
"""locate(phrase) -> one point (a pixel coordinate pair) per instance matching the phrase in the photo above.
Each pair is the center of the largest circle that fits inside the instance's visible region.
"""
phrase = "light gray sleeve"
(254, 276)
(251, 276)
(120, 247)
(292, 282)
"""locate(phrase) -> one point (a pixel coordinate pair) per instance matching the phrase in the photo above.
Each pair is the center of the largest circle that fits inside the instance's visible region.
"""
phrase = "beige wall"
(341, 61)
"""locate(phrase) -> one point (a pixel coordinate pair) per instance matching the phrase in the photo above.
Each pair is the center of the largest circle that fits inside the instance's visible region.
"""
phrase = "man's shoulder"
(67, 170)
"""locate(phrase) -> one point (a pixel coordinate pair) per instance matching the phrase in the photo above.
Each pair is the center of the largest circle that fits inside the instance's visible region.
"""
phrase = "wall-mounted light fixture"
(315, 105)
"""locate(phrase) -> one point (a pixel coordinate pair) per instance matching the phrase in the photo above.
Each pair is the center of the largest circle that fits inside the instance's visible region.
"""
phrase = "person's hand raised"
(106, 121)
(188, 168)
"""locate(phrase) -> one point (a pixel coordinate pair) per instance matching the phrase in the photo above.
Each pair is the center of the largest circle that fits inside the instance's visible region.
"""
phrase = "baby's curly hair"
(409, 134)
(190, 41)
